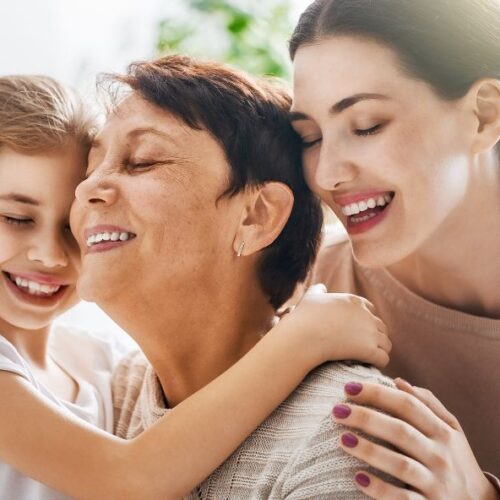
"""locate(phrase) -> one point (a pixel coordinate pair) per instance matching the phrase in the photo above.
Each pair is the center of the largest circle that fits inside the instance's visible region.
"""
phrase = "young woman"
(55, 383)
(398, 106)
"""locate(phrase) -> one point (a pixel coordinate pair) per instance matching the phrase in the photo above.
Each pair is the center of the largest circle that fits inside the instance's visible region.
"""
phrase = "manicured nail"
(349, 440)
(362, 479)
(353, 388)
(341, 411)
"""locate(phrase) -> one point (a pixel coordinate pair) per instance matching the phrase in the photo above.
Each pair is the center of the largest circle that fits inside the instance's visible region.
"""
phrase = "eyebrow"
(341, 105)
(19, 198)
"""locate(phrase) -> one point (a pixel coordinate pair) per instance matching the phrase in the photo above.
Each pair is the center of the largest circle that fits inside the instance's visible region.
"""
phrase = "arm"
(437, 461)
(164, 461)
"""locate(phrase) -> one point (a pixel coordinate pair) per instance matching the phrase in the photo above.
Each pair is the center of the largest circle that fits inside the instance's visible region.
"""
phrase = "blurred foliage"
(250, 35)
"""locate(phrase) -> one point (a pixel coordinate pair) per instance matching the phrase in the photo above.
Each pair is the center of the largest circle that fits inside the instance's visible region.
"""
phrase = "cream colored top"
(294, 454)
(454, 354)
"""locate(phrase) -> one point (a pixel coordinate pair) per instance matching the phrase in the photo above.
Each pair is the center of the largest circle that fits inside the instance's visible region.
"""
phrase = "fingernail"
(362, 479)
(349, 440)
(341, 411)
(353, 388)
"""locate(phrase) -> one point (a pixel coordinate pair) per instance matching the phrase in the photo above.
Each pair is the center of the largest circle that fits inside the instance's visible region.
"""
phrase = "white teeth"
(34, 288)
(369, 203)
(116, 236)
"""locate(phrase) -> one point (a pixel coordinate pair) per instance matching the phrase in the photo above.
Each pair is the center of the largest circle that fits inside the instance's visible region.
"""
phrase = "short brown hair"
(38, 114)
(249, 118)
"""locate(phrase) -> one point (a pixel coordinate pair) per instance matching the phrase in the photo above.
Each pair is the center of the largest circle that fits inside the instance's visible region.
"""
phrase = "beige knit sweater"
(294, 454)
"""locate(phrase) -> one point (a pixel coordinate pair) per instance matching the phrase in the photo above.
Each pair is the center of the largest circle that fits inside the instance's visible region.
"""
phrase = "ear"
(266, 214)
(486, 101)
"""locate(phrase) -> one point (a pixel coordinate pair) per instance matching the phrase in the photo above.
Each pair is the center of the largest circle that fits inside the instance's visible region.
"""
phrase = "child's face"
(39, 259)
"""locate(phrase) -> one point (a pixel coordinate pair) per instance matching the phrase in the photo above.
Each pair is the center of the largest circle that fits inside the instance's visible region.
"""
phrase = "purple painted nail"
(349, 440)
(353, 388)
(362, 479)
(341, 411)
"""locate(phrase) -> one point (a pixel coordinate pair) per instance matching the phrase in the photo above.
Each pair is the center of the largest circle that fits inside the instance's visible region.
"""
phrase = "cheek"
(11, 244)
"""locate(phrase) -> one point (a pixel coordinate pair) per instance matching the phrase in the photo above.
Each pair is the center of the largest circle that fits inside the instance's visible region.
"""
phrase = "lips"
(36, 293)
(106, 237)
(363, 211)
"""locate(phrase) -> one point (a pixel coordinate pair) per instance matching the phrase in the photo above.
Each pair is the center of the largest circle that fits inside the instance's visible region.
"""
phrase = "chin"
(375, 256)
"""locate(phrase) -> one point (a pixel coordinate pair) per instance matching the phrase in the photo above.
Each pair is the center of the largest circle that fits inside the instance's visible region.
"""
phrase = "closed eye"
(17, 221)
(309, 144)
(368, 131)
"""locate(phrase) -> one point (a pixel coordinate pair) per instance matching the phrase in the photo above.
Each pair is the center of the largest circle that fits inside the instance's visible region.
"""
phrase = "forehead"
(340, 66)
(134, 114)
(46, 177)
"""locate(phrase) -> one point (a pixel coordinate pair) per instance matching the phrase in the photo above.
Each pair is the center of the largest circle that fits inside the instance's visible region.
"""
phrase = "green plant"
(252, 37)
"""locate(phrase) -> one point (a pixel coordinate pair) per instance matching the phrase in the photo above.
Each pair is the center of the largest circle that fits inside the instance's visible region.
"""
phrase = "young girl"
(56, 416)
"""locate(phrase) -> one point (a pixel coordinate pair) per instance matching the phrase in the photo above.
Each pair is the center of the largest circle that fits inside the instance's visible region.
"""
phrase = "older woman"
(198, 170)
(398, 106)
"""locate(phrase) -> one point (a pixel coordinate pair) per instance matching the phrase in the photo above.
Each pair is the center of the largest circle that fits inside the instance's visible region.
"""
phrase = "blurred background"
(74, 40)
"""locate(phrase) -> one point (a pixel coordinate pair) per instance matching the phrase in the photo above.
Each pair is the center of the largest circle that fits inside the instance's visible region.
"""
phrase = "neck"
(31, 344)
(194, 336)
(457, 268)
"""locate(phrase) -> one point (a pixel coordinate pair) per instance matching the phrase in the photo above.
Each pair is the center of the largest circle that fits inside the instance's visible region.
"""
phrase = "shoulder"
(319, 468)
(99, 350)
(12, 361)
(335, 264)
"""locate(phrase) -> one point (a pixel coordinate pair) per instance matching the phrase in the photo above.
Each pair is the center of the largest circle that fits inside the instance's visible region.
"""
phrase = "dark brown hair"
(249, 119)
(450, 44)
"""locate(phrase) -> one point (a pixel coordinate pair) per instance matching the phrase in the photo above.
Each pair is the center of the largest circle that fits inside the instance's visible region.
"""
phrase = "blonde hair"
(38, 114)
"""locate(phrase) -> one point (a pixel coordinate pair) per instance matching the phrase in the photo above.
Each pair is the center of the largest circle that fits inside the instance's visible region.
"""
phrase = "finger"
(398, 403)
(391, 462)
(381, 326)
(377, 488)
(368, 305)
(384, 342)
(389, 429)
(380, 358)
(428, 398)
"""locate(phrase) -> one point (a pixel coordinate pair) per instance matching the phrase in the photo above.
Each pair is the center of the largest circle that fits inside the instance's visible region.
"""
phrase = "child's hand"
(339, 326)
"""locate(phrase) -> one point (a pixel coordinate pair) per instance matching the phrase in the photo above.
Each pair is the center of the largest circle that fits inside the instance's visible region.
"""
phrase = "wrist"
(304, 349)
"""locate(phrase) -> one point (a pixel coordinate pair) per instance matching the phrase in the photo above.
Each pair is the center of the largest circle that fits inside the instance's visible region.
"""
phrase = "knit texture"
(294, 454)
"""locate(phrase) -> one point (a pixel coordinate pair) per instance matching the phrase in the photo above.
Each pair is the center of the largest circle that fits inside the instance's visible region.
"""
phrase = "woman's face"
(147, 217)
(39, 257)
(381, 149)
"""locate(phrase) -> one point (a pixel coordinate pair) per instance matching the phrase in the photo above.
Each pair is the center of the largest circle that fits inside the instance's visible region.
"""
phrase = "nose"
(97, 189)
(50, 251)
(333, 168)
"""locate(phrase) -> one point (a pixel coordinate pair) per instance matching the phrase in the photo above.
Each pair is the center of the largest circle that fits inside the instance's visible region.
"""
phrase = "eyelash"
(310, 144)
(359, 132)
(14, 221)
(368, 131)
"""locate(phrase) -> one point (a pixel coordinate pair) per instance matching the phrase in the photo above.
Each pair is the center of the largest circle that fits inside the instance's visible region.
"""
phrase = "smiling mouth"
(103, 238)
(33, 288)
(365, 214)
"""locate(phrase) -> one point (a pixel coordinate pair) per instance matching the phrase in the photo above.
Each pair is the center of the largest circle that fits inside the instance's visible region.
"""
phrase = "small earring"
(240, 249)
